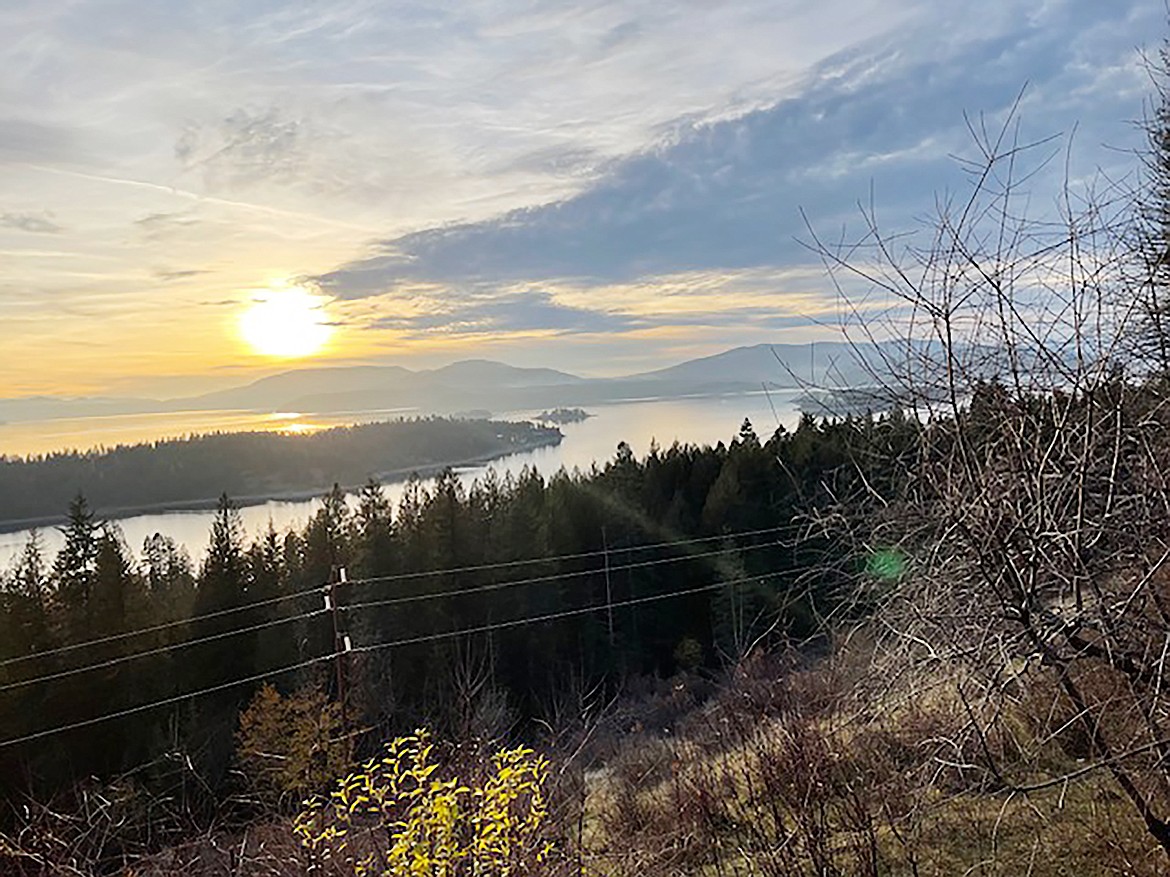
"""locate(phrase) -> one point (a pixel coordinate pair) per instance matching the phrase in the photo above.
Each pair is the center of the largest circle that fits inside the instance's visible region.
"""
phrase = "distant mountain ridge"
(778, 365)
(481, 383)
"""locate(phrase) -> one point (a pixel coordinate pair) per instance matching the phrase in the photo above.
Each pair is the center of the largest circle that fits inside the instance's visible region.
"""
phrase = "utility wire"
(551, 616)
(117, 637)
(790, 527)
(122, 659)
(499, 586)
(518, 622)
(178, 698)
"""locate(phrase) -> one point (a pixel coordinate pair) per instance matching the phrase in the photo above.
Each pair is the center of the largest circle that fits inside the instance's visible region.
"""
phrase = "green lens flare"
(887, 564)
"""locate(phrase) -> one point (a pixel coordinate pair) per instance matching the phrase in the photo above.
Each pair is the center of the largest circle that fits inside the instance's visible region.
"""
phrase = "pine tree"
(75, 568)
(170, 581)
(223, 586)
(221, 580)
(25, 612)
(375, 530)
(114, 596)
(747, 434)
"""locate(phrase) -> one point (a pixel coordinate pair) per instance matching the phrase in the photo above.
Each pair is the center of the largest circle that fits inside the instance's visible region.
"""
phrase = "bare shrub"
(97, 828)
(758, 781)
(1032, 510)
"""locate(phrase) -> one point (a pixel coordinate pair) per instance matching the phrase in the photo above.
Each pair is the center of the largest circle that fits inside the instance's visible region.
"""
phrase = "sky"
(601, 187)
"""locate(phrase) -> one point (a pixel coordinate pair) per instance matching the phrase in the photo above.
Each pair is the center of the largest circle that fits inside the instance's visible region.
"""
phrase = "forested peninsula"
(251, 465)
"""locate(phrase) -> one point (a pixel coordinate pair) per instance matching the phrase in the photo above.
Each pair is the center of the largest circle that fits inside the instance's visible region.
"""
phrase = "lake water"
(86, 433)
(637, 422)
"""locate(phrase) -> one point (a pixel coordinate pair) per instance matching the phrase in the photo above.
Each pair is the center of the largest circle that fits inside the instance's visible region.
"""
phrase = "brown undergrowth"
(816, 770)
(791, 766)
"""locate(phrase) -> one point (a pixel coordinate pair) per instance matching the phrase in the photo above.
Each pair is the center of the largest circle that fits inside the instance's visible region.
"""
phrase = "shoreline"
(388, 476)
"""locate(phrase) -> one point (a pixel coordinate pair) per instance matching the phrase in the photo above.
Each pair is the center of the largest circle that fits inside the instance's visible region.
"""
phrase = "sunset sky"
(597, 186)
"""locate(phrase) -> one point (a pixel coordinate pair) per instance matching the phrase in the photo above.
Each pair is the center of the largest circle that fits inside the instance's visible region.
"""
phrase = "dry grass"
(789, 770)
(784, 775)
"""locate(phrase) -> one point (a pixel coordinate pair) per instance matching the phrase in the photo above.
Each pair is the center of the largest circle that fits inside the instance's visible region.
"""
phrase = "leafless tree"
(1033, 507)
(1151, 229)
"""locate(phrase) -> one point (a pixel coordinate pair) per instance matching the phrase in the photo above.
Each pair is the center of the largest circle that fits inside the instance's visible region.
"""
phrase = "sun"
(287, 322)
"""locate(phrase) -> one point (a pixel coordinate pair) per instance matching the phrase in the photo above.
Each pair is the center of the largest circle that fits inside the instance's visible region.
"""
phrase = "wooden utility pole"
(608, 587)
(341, 641)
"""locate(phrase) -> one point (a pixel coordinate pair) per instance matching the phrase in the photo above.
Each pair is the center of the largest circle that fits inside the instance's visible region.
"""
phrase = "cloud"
(537, 311)
(514, 311)
(246, 147)
(156, 226)
(25, 140)
(419, 114)
(182, 274)
(29, 222)
(548, 167)
(736, 301)
(728, 195)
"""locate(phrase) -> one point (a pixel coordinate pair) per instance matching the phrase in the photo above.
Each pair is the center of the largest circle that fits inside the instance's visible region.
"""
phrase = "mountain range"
(484, 384)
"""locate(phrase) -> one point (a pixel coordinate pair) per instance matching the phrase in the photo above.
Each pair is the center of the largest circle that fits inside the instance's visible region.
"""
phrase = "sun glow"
(286, 322)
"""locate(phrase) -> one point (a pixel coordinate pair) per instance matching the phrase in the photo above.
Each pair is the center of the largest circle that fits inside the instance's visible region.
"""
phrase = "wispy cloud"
(579, 314)
(729, 194)
(170, 276)
(160, 225)
(515, 311)
(30, 222)
(543, 167)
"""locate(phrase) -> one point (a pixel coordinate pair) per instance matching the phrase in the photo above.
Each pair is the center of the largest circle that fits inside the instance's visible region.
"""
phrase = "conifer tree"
(24, 611)
(375, 530)
(328, 537)
(221, 580)
(169, 578)
(114, 583)
(75, 568)
(223, 586)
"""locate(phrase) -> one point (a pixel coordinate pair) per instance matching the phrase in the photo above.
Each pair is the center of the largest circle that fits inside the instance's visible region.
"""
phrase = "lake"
(29, 438)
(704, 420)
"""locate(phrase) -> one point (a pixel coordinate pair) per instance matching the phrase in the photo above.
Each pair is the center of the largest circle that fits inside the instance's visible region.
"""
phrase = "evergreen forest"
(252, 465)
(642, 567)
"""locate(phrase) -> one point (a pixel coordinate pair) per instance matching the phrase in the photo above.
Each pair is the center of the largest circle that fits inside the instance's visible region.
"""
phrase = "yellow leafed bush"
(410, 813)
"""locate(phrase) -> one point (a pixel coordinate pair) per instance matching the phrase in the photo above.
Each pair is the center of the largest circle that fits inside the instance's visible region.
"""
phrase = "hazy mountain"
(485, 384)
(500, 387)
(778, 365)
(279, 391)
(485, 372)
(469, 383)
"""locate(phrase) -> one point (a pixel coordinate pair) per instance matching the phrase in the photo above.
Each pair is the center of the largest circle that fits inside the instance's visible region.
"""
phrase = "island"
(250, 467)
(562, 416)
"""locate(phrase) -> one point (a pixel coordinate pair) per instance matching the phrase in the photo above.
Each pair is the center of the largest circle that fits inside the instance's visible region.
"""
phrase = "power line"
(116, 637)
(178, 698)
(498, 586)
(393, 601)
(790, 527)
(122, 659)
(552, 616)
(518, 622)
